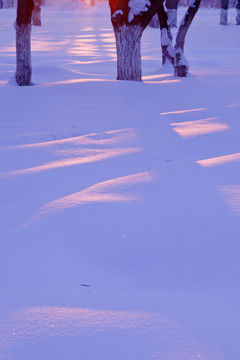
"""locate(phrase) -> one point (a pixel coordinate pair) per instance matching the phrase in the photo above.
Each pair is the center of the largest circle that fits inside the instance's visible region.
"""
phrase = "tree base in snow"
(238, 17)
(181, 71)
(223, 17)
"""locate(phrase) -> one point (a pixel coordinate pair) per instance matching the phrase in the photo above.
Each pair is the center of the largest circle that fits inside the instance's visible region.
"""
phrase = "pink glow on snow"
(46, 45)
(75, 152)
(231, 194)
(80, 62)
(105, 192)
(155, 77)
(74, 81)
(151, 335)
(111, 137)
(88, 156)
(163, 81)
(182, 111)
(108, 38)
(233, 105)
(8, 51)
(85, 46)
(220, 160)
(198, 127)
(87, 28)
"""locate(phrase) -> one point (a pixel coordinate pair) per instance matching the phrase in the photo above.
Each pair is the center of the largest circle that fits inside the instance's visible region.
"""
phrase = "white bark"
(23, 52)
(223, 17)
(238, 17)
(172, 17)
(128, 43)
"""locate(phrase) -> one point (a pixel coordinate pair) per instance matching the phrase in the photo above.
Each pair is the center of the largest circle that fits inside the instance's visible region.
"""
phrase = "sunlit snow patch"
(182, 111)
(199, 127)
(87, 156)
(74, 152)
(220, 160)
(105, 192)
(68, 333)
(111, 137)
(231, 194)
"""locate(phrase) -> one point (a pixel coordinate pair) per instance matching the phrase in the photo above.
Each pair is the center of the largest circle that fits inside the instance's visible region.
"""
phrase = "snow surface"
(120, 201)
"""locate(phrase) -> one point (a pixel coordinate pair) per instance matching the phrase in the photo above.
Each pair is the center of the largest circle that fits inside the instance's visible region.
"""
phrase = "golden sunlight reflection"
(149, 336)
(199, 127)
(87, 156)
(231, 194)
(105, 192)
(220, 160)
(182, 111)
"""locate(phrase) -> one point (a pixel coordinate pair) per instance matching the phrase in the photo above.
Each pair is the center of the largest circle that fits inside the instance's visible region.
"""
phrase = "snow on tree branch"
(137, 7)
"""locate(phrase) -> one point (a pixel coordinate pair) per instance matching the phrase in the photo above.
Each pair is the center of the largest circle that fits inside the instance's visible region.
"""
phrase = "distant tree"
(224, 12)
(130, 18)
(171, 6)
(36, 13)
(23, 42)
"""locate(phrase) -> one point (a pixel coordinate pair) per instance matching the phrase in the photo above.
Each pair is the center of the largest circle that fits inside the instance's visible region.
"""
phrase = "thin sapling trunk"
(181, 64)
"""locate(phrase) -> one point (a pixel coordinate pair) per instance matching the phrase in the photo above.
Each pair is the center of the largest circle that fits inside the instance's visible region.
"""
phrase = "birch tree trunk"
(181, 64)
(129, 19)
(166, 37)
(23, 42)
(128, 38)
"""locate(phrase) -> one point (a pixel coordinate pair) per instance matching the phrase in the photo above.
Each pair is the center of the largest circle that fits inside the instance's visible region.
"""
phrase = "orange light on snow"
(220, 160)
(231, 194)
(198, 127)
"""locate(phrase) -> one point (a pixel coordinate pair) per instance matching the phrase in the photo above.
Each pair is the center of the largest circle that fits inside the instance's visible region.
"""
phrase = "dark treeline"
(204, 3)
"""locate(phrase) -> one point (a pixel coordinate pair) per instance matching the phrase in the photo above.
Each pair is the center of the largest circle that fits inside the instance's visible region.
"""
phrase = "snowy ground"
(120, 201)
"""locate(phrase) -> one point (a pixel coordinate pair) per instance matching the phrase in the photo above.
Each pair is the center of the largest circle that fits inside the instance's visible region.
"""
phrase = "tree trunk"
(129, 19)
(23, 42)
(172, 6)
(181, 64)
(166, 37)
(128, 38)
